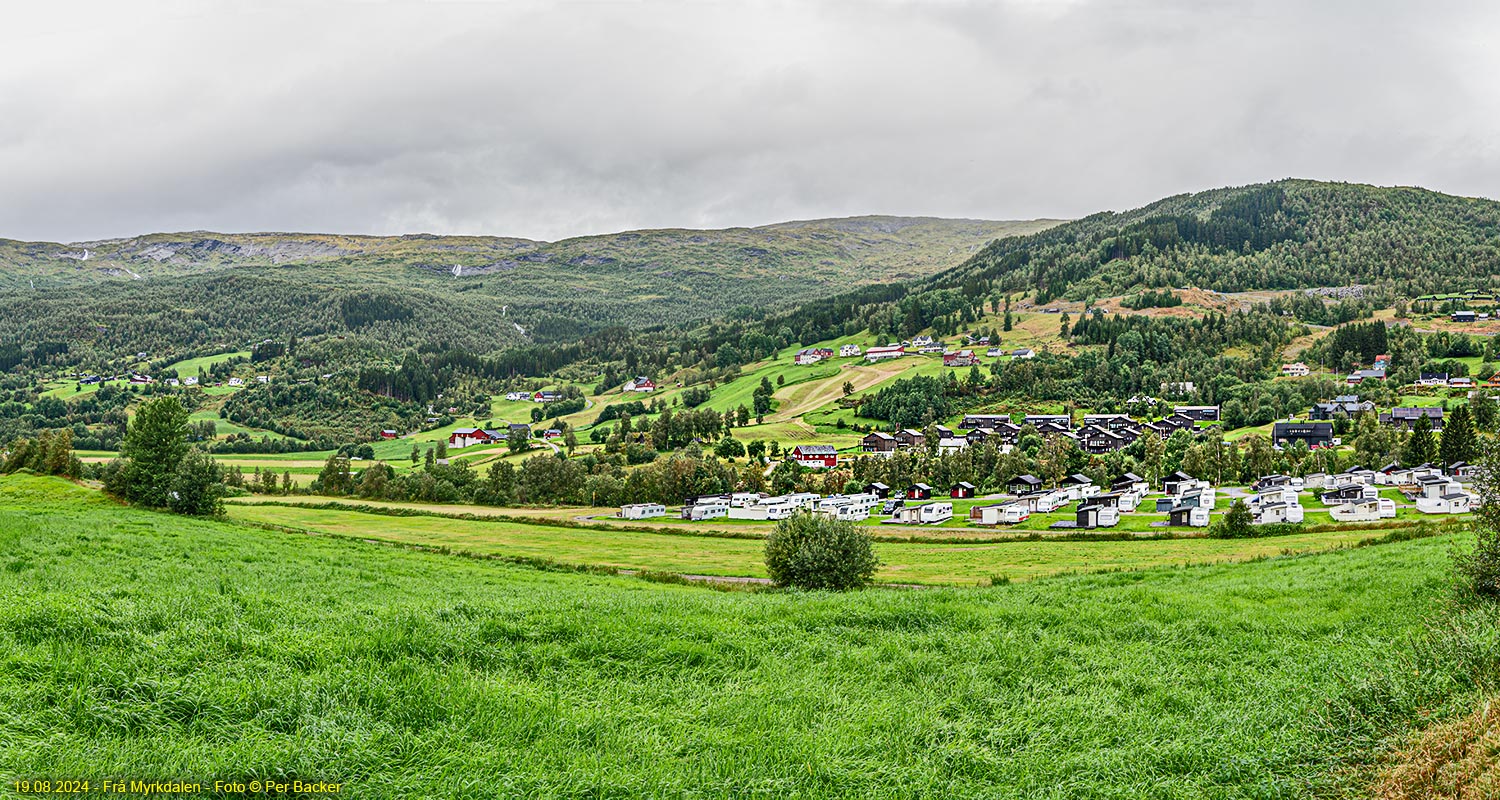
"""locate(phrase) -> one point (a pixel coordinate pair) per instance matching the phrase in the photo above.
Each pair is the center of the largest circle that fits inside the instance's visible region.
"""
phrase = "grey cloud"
(556, 119)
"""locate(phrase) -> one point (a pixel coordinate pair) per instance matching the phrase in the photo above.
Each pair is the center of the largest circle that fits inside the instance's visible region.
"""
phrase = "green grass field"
(965, 563)
(190, 366)
(140, 644)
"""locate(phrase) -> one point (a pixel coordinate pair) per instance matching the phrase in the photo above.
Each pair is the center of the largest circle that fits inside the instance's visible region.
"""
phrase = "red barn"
(816, 456)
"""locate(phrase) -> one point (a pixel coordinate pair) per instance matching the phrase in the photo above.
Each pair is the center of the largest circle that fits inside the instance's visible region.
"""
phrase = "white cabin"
(1279, 512)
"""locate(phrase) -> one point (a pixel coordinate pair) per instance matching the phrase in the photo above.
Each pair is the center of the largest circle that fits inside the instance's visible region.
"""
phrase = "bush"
(1237, 523)
(1479, 568)
(813, 551)
(197, 486)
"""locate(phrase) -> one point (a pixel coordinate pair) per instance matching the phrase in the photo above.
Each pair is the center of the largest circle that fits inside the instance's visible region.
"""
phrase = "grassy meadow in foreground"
(136, 643)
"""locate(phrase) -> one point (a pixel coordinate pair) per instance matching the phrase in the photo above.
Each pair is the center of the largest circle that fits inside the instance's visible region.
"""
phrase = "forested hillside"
(480, 293)
(1290, 234)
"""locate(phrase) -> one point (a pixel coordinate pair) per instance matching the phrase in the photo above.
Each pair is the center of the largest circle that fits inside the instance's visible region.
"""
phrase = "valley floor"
(705, 549)
(137, 643)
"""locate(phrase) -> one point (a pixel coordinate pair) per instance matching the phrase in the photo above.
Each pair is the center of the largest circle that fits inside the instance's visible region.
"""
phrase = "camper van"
(642, 511)
(999, 514)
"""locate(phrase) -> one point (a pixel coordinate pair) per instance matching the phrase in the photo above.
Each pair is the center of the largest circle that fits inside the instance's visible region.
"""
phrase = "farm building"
(640, 383)
(1296, 369)
(389, 433)
(1023, 353)
(882, 353)
(816, 456)
(962, 358)
(463, 437)
(812, 355)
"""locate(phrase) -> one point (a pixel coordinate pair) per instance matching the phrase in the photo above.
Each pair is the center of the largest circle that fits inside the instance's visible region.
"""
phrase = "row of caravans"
(755, 507)
(1096, 509)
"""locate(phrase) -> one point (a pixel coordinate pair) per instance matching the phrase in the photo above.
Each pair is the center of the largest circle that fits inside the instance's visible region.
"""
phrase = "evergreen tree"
(1420, 447)
(1482, 410)
(1458, 442)
(153, 447)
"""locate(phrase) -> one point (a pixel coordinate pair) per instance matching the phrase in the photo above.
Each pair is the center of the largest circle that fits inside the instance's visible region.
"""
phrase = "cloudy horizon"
(549, 120)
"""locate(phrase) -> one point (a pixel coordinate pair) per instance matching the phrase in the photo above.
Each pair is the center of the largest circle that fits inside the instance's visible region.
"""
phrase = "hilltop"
(1290, 234)
(481, 293)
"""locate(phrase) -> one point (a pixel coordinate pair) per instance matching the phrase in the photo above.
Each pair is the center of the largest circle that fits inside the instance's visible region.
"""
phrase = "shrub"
(1237, 523)
(813, 551)
(197, 486)
(1479, 568)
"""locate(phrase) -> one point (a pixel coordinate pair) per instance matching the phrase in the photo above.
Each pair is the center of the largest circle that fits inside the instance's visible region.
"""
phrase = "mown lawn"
(139, 644)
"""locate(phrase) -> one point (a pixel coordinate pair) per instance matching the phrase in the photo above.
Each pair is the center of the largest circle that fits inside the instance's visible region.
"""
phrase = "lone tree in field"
(814, 551)
(158, 468)
(154, 444)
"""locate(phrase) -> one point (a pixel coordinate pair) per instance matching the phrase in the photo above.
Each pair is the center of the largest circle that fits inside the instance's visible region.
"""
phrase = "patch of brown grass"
(1456, 760)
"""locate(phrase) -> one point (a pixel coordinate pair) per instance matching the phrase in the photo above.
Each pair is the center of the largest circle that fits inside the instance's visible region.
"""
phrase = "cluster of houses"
(143, 379)
(552, 395)
(1317, 430)
(812, 355)
(1378, 372)
(920, 344)
(1375, 372)
(1097, 433)
(464, 437)
(1445, 381)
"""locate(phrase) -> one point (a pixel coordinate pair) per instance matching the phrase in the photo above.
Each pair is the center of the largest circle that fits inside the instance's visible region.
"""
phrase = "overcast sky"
(554, 119)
